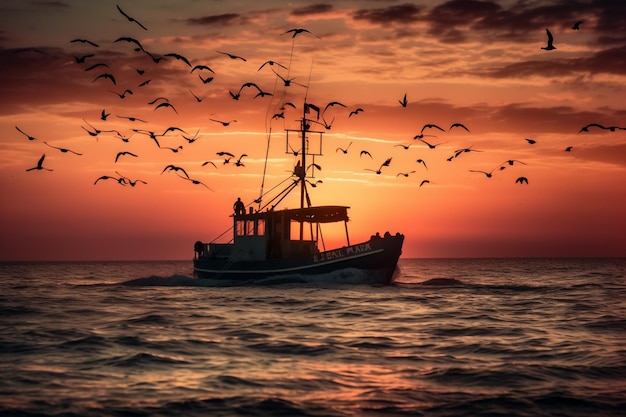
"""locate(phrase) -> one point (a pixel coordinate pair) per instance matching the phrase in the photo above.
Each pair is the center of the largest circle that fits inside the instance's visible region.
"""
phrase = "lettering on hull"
(342, 252)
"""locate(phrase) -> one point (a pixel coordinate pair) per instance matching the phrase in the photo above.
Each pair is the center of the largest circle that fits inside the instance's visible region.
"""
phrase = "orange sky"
(479, 63)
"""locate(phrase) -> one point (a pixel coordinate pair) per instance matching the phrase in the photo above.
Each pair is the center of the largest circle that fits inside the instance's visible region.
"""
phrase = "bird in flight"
(64, 150)
(487, 174)
(198, 99)
(129, 181)
(131, 118)
(271, 63)
(403, 102)
(531, 141)
(522, 180)
(430, 126)
(586, 128)
(179, 57)
(196, 182)
(424, 182)
(124, 153)
(106, 75)
(345, 151)
(238, 162)
(458, 125)
(379, 170)
(569, 149)
(120, 181)
(231, 56)
(166, 104)
(136, 42)
(104, 115)
(223, 123)
(365, 153)
(202, 67)
(86, 41)
(421, 161)
(431, 145)
(39, 164)
(298, 31)
(404, 174)
(175, 169)
(81, 59)
(550, 46)
(356, 111)
(576, 25)
(130, 19)
(122, 95)
(25, 134)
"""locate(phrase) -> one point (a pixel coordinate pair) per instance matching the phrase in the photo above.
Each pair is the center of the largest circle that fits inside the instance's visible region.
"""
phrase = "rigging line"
(267, 151)
(308, 83)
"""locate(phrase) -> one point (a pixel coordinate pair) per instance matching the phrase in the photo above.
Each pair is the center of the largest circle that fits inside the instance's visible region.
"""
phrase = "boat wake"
(346, 276)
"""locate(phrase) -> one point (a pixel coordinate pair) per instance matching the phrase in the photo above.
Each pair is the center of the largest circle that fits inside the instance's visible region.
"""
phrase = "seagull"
(120, 180)
(356, 111)
(81, 59)
(222, 122)
(196, 182)
(226, 160)
(424, 182)
(175, 150)
(202, 67)
(39, 164)
(132, 119)
(510, 162)
(429, 126)
(405, 147)
(209, 162)
(568, 149)
(531, 141)
(271, 63)
(172, 129)
(231, 56)
(129, 181)
(106, 75)
(549, 46)
(365, 153)
(421, 161)
(130, 19)
(123, 94)
(144, 83)
(576, 25)
(345, 151)
(198, 99)
(314, 184)
(298, 31)
(405, 174)
(176, 169)
(86, 41)
(180, 58)
(136, 42)
(139, 71)
(25, 134)
(94, 66)
(586, 128)
(62, 149)
(166, 104)
(193, 138)
(238, 162)
(403, 102)
(384, 164)
(522, 180)
(431, 145)
(124, 153)
(157, 99)
(458, 125)
(487, 174)
(104, 115)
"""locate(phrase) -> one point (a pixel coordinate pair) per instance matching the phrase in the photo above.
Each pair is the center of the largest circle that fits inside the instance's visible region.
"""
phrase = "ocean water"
(451, 337)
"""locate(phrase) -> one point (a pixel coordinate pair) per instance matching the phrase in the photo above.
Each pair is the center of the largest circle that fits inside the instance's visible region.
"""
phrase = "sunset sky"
(479, 63)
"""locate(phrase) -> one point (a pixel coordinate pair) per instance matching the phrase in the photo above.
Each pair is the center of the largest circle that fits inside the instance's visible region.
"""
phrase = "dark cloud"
(608, 61)
(404, 13)
(50, 3)
(318, 8)
(219, 20)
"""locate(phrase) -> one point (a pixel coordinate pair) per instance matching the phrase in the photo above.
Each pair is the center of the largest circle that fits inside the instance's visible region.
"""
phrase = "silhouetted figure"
(239, 207)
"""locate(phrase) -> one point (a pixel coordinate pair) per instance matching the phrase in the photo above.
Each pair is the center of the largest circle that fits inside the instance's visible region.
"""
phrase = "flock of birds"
(318, 115)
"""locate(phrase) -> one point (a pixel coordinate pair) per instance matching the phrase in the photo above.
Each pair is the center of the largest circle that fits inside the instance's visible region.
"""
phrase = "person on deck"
(239, 207)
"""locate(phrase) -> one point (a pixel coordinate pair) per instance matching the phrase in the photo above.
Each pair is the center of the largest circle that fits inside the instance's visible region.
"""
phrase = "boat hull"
(373, 261)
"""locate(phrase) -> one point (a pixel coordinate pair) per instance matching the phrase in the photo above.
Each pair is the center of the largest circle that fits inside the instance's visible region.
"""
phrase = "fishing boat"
(269, 243)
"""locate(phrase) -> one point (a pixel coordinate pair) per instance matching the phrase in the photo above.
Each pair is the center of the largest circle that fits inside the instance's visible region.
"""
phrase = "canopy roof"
(318, 214)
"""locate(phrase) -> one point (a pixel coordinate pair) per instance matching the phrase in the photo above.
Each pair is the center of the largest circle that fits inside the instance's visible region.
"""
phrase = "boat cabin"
(278, 234)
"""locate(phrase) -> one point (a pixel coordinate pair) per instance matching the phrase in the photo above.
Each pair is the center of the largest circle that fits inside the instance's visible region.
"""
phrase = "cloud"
(219, 20)
(404, 13)
(318, 8)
